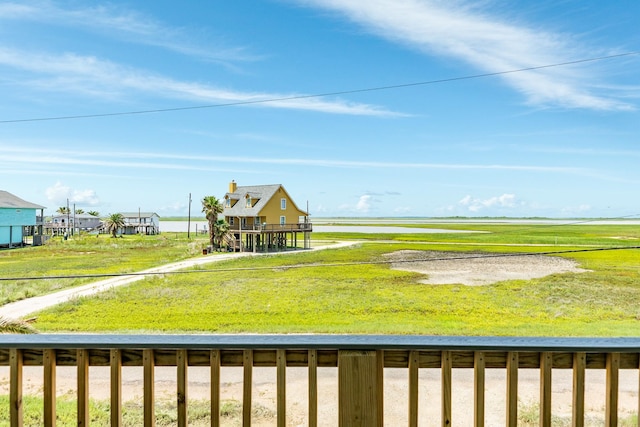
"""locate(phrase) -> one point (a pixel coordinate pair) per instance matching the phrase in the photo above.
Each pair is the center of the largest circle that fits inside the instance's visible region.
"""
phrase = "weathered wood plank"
(182, 362)
(83, 387)
(281, 388)
(116, 387)
(149, 389)
(546, 365)
(247, 388)
(512, 388)
(214, 363)
(611, 405)
(478, 383)
(579, 366)
(313, 388)
(15, 388)
(446, 388)
(49, 361)
(357, 388)
(414, 362)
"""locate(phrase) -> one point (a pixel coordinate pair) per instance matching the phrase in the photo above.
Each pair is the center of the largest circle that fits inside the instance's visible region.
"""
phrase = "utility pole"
(189, 220)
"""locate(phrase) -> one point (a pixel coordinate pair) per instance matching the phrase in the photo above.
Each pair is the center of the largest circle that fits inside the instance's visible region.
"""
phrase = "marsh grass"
(132, 412)
(86, 254)
(275, 294)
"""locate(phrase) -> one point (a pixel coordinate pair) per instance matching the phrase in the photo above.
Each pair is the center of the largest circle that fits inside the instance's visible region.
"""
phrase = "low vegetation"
(132, 412)
(352, 290)
(86, 255)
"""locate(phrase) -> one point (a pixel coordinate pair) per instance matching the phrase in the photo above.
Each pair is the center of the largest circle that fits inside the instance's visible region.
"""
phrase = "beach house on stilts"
(265, 218)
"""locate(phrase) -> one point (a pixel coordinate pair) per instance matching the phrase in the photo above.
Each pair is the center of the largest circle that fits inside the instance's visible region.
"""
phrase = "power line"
(321, 95)
(298, 266)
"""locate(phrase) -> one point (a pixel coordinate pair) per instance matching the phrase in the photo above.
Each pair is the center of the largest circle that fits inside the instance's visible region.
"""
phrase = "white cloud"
(59, 194)
(92, 76)
(489, 42)
(505, 201)
(124, 24)
(364, 204)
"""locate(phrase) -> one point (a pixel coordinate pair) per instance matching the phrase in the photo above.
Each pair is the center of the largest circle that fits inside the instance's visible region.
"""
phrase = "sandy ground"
(396, 403)
(439, 268)
(480, 268)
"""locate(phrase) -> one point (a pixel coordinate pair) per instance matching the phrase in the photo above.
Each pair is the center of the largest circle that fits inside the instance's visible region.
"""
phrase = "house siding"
(11, 222)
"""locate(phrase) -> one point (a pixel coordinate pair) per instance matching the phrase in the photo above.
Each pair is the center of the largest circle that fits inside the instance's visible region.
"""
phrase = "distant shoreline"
(381, 225)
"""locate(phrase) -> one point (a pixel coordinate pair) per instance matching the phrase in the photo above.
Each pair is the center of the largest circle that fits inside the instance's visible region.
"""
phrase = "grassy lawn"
(332, 292)
(87, 255)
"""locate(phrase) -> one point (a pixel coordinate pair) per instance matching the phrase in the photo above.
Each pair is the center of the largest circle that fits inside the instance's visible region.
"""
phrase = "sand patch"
(474, 269)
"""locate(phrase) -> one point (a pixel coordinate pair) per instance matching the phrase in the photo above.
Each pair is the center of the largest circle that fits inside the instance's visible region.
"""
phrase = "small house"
(265, 217)
(19, 219)
(141, 223)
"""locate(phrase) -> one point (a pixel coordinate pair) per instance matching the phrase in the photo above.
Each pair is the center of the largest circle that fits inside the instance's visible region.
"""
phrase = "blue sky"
(559, 141)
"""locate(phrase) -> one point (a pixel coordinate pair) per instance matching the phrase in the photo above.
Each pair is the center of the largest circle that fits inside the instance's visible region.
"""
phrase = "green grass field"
(349, 291)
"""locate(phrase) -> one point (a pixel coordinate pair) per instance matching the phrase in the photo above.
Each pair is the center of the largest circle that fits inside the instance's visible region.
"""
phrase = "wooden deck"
(360, 361)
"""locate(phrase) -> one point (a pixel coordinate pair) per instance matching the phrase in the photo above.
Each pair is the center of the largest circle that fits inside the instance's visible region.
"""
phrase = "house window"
(248, 201)
(227, 203)
(283, 204)
(231, 221)
(256, 220)
(283, 219)
(244, 222)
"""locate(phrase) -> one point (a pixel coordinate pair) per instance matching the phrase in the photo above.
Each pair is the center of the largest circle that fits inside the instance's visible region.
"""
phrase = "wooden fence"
(360, 362)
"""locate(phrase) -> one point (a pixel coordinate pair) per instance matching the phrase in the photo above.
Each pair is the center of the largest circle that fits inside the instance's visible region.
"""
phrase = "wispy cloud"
(488, 42)
(203, 162)
(117, 22)
(96, 77)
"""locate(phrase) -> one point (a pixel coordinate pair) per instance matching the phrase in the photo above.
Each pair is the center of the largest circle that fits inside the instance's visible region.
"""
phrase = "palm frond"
(15, 326)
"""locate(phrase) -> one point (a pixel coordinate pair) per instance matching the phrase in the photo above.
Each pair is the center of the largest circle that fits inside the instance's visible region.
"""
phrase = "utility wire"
(321, 95)
(297, 266)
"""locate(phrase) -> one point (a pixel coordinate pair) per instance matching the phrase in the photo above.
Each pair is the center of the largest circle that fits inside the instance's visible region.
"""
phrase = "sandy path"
(28, 306)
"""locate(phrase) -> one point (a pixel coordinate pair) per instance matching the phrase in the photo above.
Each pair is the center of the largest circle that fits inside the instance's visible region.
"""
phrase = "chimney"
(233, 186)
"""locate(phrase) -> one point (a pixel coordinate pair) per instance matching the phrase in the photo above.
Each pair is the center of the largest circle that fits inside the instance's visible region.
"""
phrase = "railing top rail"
(346, 342)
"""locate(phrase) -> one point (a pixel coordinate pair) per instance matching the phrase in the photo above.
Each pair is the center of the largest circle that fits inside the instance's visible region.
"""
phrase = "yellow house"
(264, 217)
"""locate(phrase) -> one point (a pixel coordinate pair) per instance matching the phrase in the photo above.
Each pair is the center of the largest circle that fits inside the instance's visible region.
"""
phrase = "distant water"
(199, 226)
(182, 226)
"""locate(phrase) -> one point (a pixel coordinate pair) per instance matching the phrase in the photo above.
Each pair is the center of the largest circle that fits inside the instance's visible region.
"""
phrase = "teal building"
(18, 219)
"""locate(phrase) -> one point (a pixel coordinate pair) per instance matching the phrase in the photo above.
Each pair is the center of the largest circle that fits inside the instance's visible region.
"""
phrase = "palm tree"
(94, 213)
(63, 210)
(222, 230)
(113, 223)
(79, 211)
(211, 207)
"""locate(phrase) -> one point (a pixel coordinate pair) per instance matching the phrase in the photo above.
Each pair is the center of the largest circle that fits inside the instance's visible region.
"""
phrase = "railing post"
(148, 363)
(49, 361)
(182, 362)
(446, 365)
(15, 392)
(247, 384)
(611, 407)
(546, 366)
(82, 362)
(115, 363)
(358, 395)
(579, 365)
(214, 362)
(478, 384)
(513, 360)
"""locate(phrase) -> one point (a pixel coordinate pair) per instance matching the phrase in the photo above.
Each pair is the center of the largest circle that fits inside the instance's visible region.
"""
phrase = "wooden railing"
(275, 228)
(360, 362)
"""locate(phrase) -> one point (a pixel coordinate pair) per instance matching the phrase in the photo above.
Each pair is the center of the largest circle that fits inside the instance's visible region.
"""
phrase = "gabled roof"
(260, 195)
(139, 214)
(8, 200)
